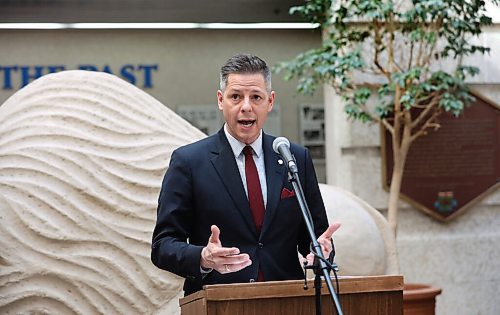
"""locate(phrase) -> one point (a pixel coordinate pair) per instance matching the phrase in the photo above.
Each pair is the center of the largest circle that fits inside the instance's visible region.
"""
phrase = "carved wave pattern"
(82, 156)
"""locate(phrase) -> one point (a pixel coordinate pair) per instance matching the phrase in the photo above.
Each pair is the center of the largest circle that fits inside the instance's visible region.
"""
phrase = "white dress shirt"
(258, 157)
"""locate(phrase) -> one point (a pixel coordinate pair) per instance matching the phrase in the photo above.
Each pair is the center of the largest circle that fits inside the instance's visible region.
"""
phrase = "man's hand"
(222, 259)
(324, 242)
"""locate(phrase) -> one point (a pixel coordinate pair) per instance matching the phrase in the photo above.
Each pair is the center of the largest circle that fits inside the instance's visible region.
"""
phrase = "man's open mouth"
(246, 122)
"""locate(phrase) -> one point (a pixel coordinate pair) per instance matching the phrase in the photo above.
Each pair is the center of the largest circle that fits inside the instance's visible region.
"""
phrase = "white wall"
(188, 61)
(461, 256)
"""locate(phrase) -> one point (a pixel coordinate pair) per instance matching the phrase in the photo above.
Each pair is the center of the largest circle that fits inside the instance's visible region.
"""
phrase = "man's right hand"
(222, 259)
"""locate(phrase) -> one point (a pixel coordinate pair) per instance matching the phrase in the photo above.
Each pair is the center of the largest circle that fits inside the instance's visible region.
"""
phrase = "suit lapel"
(225, 165)
(275, 177)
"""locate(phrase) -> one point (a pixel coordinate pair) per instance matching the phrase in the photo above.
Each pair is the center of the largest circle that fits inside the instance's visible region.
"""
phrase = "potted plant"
(396, 63)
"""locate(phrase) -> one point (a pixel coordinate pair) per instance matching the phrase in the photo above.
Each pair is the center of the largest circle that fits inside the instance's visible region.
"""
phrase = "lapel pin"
(280, 161)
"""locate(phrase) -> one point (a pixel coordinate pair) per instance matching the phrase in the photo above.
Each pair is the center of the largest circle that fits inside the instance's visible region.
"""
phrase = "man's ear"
(271, 101)
(219, 98)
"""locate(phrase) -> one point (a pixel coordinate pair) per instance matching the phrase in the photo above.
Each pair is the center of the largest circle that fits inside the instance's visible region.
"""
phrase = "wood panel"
(358, 295)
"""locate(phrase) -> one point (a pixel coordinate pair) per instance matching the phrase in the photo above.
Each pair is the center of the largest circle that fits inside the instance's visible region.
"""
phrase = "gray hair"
(245, 63)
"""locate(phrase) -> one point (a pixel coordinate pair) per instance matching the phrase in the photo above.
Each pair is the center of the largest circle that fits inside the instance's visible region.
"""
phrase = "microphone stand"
(293, 177)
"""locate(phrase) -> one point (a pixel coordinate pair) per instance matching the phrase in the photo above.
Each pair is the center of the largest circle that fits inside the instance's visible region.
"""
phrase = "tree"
(408, 56)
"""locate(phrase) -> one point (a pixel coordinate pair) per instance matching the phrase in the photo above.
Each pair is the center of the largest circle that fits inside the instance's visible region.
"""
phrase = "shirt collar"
(238, 146)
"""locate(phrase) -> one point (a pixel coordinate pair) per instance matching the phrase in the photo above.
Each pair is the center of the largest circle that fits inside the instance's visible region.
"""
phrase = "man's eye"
(257, 97)
(235, 97)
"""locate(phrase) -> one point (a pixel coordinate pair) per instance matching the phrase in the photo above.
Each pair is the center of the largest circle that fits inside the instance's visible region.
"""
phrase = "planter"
(419, 299)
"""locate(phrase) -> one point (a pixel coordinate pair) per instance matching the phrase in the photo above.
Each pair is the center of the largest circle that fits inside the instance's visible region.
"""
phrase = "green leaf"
(414, 29)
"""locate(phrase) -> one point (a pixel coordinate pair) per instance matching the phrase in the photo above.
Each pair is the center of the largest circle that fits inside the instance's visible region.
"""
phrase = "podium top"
(291, 288)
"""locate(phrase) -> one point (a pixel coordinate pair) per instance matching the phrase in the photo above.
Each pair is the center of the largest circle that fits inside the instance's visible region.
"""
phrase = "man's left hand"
(325, 242)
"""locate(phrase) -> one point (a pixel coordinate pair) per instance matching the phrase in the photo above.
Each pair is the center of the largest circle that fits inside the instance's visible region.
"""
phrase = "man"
(226, 211)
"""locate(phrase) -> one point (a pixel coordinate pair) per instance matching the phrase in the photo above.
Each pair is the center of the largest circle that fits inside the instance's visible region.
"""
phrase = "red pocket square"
(287, 193)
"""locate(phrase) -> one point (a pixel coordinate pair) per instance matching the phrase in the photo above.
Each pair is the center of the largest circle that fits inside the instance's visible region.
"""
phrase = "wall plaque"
(450, 169)
(312, 129)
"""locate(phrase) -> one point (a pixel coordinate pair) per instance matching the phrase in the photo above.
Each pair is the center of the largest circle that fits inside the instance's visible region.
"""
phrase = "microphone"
(281, 145)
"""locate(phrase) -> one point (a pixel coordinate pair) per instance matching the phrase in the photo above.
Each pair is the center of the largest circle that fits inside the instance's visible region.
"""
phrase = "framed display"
(312, 129)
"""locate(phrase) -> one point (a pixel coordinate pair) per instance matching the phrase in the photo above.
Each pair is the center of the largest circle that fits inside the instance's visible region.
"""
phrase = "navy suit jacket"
(203, 186)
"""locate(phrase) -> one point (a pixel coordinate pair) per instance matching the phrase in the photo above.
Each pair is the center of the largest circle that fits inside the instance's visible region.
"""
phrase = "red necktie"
(253, 187)
(254, 194)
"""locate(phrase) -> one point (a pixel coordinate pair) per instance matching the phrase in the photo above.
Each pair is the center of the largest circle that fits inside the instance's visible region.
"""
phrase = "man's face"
(245, 104)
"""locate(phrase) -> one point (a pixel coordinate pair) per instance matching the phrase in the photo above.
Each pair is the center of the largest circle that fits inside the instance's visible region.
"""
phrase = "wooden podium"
(370, 295)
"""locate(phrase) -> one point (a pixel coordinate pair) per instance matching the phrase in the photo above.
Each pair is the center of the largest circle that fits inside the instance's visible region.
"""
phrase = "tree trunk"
(395, 188)
(400, 152)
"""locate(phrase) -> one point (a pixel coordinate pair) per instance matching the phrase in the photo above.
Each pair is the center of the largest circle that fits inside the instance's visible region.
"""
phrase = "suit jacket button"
(261, 245)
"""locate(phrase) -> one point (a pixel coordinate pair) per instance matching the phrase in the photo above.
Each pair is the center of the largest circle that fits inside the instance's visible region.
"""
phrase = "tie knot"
(248, 151)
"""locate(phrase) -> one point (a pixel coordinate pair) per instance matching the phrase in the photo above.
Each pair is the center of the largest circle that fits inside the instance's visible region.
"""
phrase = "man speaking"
(226, 211)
